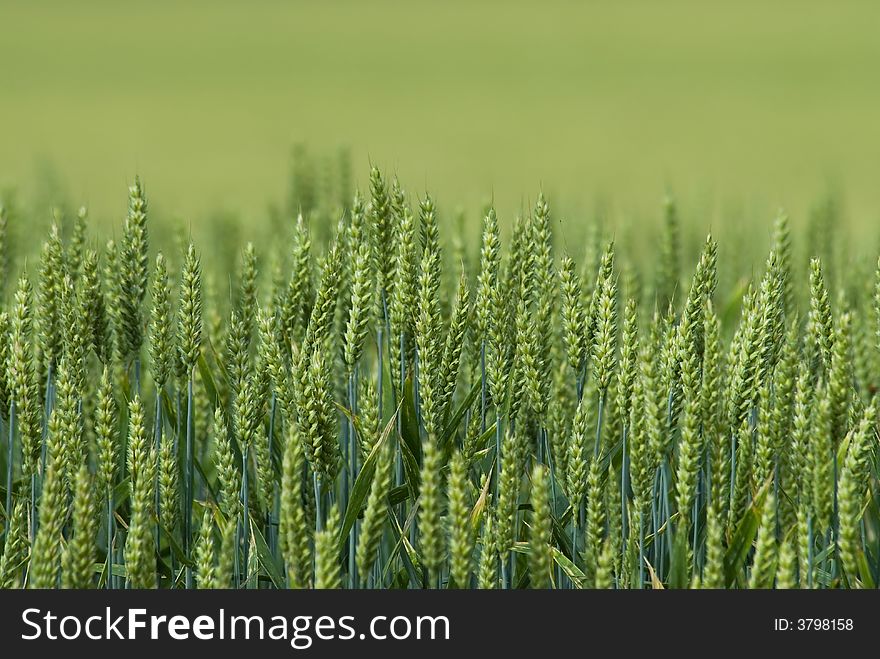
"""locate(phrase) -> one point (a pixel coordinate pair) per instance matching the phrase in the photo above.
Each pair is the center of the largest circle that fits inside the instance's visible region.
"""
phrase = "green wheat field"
(439, 295)
(385, 408)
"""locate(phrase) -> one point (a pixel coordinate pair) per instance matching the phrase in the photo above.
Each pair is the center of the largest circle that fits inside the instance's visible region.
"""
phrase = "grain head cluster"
(385, 406)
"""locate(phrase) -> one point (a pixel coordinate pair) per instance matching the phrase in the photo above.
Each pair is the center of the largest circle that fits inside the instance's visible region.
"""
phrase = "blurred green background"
(733, 106)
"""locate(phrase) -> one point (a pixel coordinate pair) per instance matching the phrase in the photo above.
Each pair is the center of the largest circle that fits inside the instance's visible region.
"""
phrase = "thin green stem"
(10, 458)
(809, 550)
(641, 549)
(398, 455)
(111, 532)
(189, 478)
(245, 513)
(624, 489)
(352, 465)
(498, 455)
(835, 518)
(732, 471)
(600, 415)
(483, 386)
(271, 535)
(319, 520)
(158, 444)
(50, 403)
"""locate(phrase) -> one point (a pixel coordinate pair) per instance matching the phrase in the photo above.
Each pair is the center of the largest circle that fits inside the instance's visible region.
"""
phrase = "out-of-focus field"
(734, 106)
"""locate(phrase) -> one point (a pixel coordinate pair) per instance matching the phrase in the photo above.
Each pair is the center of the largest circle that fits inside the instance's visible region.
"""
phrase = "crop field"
(485, 294)
(380, 398)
